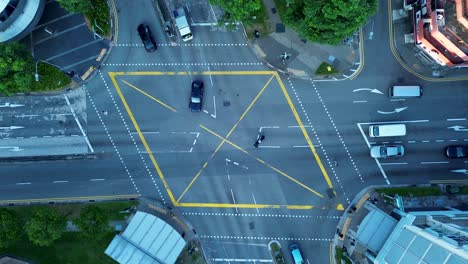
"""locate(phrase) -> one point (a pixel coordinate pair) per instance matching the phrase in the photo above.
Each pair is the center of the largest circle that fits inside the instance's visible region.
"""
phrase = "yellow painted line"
(361, 55)
(116, 19)
(227, 136)
(400, 61)
(142, 138)
(247, 206)
(304, 132)
(149, 96)
(157, 73)
(263, 162)
(78, 198)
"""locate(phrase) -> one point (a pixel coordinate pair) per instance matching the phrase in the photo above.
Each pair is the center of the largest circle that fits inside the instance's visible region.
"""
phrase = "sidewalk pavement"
(304, 57)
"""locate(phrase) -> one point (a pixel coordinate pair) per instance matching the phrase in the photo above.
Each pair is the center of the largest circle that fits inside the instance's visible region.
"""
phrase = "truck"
(182, 24)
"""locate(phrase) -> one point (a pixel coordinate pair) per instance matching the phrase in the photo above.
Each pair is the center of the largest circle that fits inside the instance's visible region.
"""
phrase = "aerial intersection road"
(134, 115)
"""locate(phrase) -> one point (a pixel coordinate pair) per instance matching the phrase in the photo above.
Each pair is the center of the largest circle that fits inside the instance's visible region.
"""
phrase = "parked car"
(147, 38)
(387, 151)
(454, 152)
(296, 254)
(196, 96)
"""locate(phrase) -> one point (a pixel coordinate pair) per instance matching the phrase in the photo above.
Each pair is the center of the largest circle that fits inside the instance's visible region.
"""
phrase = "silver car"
(387, 151)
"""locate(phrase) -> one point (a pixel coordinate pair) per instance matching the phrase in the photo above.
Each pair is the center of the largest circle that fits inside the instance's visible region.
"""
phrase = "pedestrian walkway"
(284, 50)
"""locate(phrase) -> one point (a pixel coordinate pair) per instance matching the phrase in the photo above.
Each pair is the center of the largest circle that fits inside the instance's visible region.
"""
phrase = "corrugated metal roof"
(146, 240)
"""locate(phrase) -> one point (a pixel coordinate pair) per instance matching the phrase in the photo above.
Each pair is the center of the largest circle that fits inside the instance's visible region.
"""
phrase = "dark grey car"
(147, 37)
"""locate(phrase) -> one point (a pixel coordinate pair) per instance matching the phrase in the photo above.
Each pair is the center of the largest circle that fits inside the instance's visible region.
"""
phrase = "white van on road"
(391, 130)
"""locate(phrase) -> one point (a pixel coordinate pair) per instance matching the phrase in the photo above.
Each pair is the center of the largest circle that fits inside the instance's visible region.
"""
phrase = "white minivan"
(399, 91)
(391, 130)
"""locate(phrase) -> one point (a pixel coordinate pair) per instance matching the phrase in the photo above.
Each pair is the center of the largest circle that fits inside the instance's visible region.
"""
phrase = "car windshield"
(196, 100)
(383, 152)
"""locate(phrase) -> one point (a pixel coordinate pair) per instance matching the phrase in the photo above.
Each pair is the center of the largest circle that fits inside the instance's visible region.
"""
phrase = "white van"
(405, 91)
(394, 130)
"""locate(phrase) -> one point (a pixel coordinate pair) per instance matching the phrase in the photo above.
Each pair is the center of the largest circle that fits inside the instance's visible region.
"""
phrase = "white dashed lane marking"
(268, 238)
(419, 141)
(116, 105)
(188, 64)
(263, 215)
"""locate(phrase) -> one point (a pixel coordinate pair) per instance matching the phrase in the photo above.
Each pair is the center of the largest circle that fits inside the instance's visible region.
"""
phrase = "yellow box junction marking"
(149, 96)
(274, 74)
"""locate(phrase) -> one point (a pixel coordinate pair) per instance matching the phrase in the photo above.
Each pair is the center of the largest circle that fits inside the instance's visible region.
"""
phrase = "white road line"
(434, 162)
(395, 163)
(395, 122)
(382, 171)
(59, 181)
(396, 100)
(456, 119)
(23, 183)
(211, 79)
(453, 140)
(191, 149)
(363, 135)
(255, 201)
(426, 141)
(97, 180)
(194, 142)
(355, 102)
(242, 260)
(214, 103)
(397, 142)
(440, 140)
(78, 123)
(234, 200)
(206, 112)
(411, 141)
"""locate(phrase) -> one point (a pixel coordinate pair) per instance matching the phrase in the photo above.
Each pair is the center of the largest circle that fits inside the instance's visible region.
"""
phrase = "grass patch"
(259, 23)
(50, 78)
(277, 254)
(71, 248)
(99, 15)
(340, 256)
(463, 190)
(325, 69)
(411, 191)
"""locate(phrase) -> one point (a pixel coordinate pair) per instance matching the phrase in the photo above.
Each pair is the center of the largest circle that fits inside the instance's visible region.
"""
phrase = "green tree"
(93, 222)
(238, 10)
(76, 6)
(326, 21)
(16, 69)
(45, 226)
(10, 229)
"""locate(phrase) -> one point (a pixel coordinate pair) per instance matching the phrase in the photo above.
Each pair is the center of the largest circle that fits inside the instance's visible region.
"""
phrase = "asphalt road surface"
(292, 188)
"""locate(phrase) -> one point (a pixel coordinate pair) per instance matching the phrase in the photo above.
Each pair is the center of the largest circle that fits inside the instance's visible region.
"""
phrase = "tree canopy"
(238, 10)
(92, 222)
(45, 226)
(16, 69)
(327, 21)
(10, 227)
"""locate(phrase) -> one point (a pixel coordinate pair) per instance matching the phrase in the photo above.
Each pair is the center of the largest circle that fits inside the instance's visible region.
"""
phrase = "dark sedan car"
(147, 38)
(457, 152)
(196, 96)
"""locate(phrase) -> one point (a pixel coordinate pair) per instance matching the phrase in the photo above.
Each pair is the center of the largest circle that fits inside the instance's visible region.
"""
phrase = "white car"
(387, 151)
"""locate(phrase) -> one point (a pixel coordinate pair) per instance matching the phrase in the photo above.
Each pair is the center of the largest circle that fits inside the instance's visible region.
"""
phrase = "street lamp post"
(36, 74)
